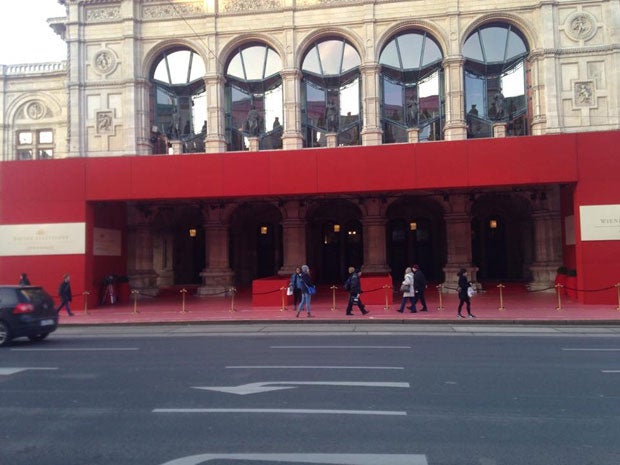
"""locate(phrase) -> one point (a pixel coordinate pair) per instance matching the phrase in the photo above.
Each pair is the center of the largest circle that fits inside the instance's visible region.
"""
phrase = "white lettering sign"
(600, 222)
(42, 239)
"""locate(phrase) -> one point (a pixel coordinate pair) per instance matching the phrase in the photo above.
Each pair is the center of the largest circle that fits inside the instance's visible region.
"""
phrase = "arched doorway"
(416, 235)
(502, 237)
(335, 239)
(255, 245)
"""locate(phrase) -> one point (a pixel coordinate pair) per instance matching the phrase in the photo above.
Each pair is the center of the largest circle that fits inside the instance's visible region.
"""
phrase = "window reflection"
(331, 93)
(254, 98)
(495, 80)
(179, 95)
(411, 76)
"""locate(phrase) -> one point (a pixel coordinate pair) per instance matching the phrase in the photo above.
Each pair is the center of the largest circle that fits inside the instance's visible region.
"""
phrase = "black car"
(26, 311)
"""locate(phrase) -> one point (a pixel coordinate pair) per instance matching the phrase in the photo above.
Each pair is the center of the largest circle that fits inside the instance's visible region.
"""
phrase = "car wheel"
(5, 334)
(38, 337)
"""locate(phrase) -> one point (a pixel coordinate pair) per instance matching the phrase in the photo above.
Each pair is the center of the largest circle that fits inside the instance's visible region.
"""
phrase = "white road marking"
(310, 367)
(611, 371)
(340, 347)
(568, 349)
(12, 371)
(84, 349)
(256, 388)
(280, 410)
(333, 459)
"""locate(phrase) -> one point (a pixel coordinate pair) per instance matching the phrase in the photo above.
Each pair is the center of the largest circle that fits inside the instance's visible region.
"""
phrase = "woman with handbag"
(307, 289)
(408, 292)
(463, 286)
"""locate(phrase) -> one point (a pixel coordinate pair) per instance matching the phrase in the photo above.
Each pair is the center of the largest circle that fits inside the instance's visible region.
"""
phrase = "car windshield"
(33, 294)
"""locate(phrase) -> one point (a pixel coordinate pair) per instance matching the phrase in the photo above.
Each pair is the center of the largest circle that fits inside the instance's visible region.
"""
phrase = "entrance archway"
(502, 237)
(416, 235)
(335, 239)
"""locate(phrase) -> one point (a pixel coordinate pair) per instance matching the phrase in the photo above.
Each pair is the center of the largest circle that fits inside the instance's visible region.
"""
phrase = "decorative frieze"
(100, 15)
(238, 6)
(171, 10)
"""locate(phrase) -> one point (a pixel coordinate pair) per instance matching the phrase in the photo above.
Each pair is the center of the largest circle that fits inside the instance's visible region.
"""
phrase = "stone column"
(371, 104)
(374, 221)
(535, 64)
(458, 238)
(456, 125)
(499, 129)
(547, 242)
(292, 138)
(293, 237)
(215, 141)
(217, 277)
(140, 268)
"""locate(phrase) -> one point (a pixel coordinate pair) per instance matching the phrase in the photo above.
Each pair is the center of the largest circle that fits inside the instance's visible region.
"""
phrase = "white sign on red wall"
(42, 239)
(600, 222)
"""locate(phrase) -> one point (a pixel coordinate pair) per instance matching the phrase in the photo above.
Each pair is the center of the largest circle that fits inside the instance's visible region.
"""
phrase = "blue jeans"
(305, 299)
(64, 303)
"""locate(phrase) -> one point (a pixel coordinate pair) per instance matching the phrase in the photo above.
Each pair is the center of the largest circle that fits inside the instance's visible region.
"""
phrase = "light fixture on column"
(493, 224)
(336, 227)
(192, 232)
(264, 230)
(413, 226)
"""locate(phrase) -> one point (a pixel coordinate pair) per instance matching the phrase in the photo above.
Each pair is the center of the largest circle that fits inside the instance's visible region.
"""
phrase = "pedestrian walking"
(65, 295)
(23, 280)
(307, 289)
(354, 286)
(463, 286)
(407, 287)
(295, 285)
(419, 286)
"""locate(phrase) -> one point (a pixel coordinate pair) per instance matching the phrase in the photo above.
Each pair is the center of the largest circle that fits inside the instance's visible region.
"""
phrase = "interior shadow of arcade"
(506, 235)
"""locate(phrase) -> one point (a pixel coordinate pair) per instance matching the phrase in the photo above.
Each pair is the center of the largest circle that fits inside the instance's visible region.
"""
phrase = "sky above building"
(25, 36)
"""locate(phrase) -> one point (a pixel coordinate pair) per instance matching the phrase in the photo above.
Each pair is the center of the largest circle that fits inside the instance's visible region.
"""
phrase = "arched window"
(179, 100)
(331, 93)
(495, 80)
(412, 83)
(254, 98)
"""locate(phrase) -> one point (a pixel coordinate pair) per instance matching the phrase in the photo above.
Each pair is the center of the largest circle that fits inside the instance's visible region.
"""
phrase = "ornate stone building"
(216, 77)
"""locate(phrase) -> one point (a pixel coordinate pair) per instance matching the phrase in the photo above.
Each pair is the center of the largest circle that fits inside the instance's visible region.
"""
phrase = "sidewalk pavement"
(519, 307)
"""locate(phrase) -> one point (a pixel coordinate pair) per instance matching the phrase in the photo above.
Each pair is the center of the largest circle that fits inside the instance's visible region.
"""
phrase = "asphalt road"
(313, 394)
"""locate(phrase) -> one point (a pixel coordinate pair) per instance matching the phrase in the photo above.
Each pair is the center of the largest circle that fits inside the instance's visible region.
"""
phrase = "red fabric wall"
(54, 191)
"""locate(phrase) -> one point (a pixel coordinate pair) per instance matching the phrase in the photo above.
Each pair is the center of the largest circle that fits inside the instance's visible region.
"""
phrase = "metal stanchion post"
(183, 292)
(501, 297)
(135, 300)
(618, 287)
(440, 292)
(283, 292)
(387, 288)
(233, 291)
(86, 294)
(333, 288)
(558, 289)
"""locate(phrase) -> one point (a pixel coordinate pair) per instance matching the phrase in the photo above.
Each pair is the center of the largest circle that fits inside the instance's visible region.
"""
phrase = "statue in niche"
(331, 116)
(253, 121)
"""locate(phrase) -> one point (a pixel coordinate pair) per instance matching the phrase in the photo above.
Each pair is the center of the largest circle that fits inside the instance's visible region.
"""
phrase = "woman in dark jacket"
(463, 285)
(305, 283)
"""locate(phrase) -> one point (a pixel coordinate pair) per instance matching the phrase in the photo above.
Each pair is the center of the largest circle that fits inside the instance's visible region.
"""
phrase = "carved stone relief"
(99, 15)
(580, 25)
(235, 6)
(173, 10)
(104, 122)
(36, 110)
(104, 61)
(584, 94)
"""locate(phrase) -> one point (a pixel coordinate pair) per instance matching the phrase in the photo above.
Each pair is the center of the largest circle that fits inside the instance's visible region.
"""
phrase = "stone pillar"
(413, 135)
(374, 221)
(535, 64)
(215, 141)
(548, 243)
(292, 138)
(456, 125)
(253, 143)
(217, 277)
(371, 104)
(293, 238)
(458, 238)
(140, 268)
(499, 129)
(332, 140)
